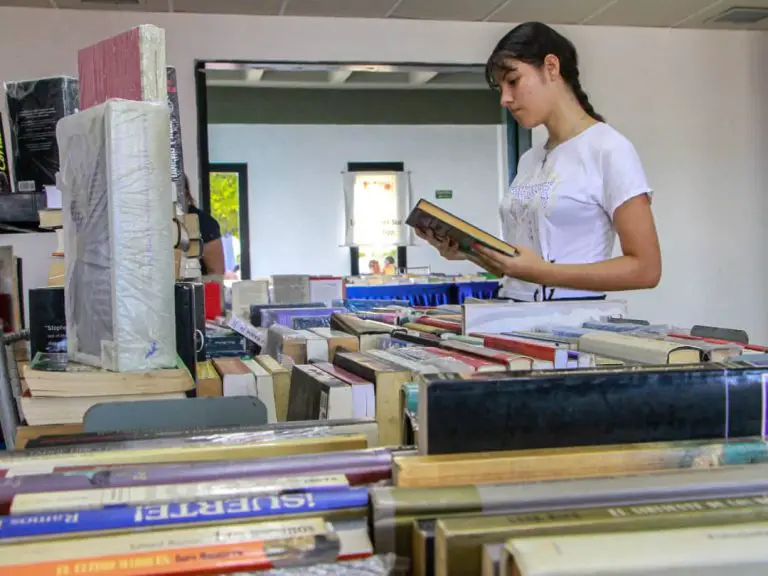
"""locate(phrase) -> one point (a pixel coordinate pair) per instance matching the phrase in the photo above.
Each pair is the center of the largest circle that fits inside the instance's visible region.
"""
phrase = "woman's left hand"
(528, 266)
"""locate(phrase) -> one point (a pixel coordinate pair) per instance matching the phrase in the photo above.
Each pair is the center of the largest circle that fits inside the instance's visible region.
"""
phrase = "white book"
(326, 290)
(496, 318)
(264, 388)
(247, 293)
(740, 550)
(290, 289)
(115, 179)
(414, 366)
(317, 346)
(638, 349)
(236, 378)
(363, 394)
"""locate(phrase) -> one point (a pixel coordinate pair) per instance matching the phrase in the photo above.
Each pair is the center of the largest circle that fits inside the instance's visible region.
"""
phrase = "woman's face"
(526, 92)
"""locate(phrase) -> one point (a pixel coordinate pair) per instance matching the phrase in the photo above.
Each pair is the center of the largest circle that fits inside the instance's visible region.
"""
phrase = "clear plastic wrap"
(279, 433)
(290, 289)
(34, 108)
(130, 66)
(380, 565)
(116, 185)
(286, 316)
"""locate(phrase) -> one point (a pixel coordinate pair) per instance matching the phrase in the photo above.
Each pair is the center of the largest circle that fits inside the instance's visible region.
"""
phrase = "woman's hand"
(528, 266)
(448, 248)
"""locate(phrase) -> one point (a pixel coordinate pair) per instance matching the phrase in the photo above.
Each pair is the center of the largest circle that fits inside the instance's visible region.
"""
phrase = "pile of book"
(491, 438)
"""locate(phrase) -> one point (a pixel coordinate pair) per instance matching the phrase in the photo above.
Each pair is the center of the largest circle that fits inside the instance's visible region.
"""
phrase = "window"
(376, 198)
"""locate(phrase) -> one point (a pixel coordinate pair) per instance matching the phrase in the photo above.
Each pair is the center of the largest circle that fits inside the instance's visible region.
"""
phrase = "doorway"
(226, 199)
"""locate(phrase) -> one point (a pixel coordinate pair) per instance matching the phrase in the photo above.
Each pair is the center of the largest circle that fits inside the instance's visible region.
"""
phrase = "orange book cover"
(208, 559)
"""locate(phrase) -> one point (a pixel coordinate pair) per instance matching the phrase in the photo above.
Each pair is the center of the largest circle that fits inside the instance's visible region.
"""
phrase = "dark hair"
(531, 43)
(188, 192)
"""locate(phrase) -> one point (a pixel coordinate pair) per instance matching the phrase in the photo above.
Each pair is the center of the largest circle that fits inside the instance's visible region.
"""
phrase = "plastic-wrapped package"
(286, 316)
(130, 66)
(290, 289)
(382, 565)
(116, 186)
(34, 108)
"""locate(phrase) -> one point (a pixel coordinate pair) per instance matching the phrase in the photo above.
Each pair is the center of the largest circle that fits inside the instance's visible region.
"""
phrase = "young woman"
(212, 262)
(572, 195)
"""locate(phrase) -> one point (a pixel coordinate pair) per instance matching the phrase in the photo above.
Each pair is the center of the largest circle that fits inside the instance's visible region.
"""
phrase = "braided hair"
(531, 43)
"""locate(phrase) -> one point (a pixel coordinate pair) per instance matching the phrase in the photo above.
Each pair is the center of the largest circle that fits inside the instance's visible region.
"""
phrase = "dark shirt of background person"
(212, 262)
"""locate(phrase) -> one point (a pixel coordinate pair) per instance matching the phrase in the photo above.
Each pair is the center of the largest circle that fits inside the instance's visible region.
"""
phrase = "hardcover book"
(427, 216)
(130, 66)
(47, 525)
(177, 153)
(5, 170)
(47, 321)
(587, 407)
(34, 108)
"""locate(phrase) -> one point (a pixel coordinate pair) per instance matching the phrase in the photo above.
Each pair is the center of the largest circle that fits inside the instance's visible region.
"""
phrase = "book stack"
(470, 440)
(55, 391)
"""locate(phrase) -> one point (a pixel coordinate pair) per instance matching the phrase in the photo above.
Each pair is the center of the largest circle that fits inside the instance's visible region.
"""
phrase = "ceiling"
(340, 77)
(653, 13)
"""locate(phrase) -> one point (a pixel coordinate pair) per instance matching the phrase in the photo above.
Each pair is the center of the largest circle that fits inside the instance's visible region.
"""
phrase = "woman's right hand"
(449, 249)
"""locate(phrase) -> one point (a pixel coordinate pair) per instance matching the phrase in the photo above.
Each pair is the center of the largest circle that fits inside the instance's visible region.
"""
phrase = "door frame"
(241, 169)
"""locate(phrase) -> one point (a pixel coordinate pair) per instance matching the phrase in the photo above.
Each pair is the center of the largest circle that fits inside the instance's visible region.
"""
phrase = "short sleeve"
(623, 174)
(209, 228)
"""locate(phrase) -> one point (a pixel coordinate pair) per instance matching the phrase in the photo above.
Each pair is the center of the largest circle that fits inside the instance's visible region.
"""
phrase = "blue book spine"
(567, 331)
(180, 513)
(608, 327)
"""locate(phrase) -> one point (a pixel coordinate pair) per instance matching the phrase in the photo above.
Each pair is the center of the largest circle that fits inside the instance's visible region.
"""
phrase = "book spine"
(752, 347)
(476, 363)
(341, 462)
(538, 351)
(72, 500)
(5, 171)
(200, 559)
(179, 513)
(454, 327)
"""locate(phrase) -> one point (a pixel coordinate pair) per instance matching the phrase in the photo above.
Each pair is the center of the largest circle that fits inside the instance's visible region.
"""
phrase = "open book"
(427, 216)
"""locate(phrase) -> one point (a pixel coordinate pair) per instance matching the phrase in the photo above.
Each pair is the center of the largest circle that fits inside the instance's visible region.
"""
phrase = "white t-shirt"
(561, 205)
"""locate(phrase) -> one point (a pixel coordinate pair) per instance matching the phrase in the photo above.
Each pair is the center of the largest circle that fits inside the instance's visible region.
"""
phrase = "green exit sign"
(443, 194)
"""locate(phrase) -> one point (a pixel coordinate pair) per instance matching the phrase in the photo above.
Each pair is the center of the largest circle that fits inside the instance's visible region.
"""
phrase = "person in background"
(374, 267)
(572, 195)
(212, 262)
(389, 266)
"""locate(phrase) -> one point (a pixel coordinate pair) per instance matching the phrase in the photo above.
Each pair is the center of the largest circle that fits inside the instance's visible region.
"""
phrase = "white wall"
(35, 251)
(294, 176)
(695, 103)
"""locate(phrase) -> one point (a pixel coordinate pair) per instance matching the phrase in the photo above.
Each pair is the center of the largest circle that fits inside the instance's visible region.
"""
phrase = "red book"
(129, 66)
(752, 347)
(478, 364)
(541, 351)
(454, 327)
(489, 354)
(213, 307)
